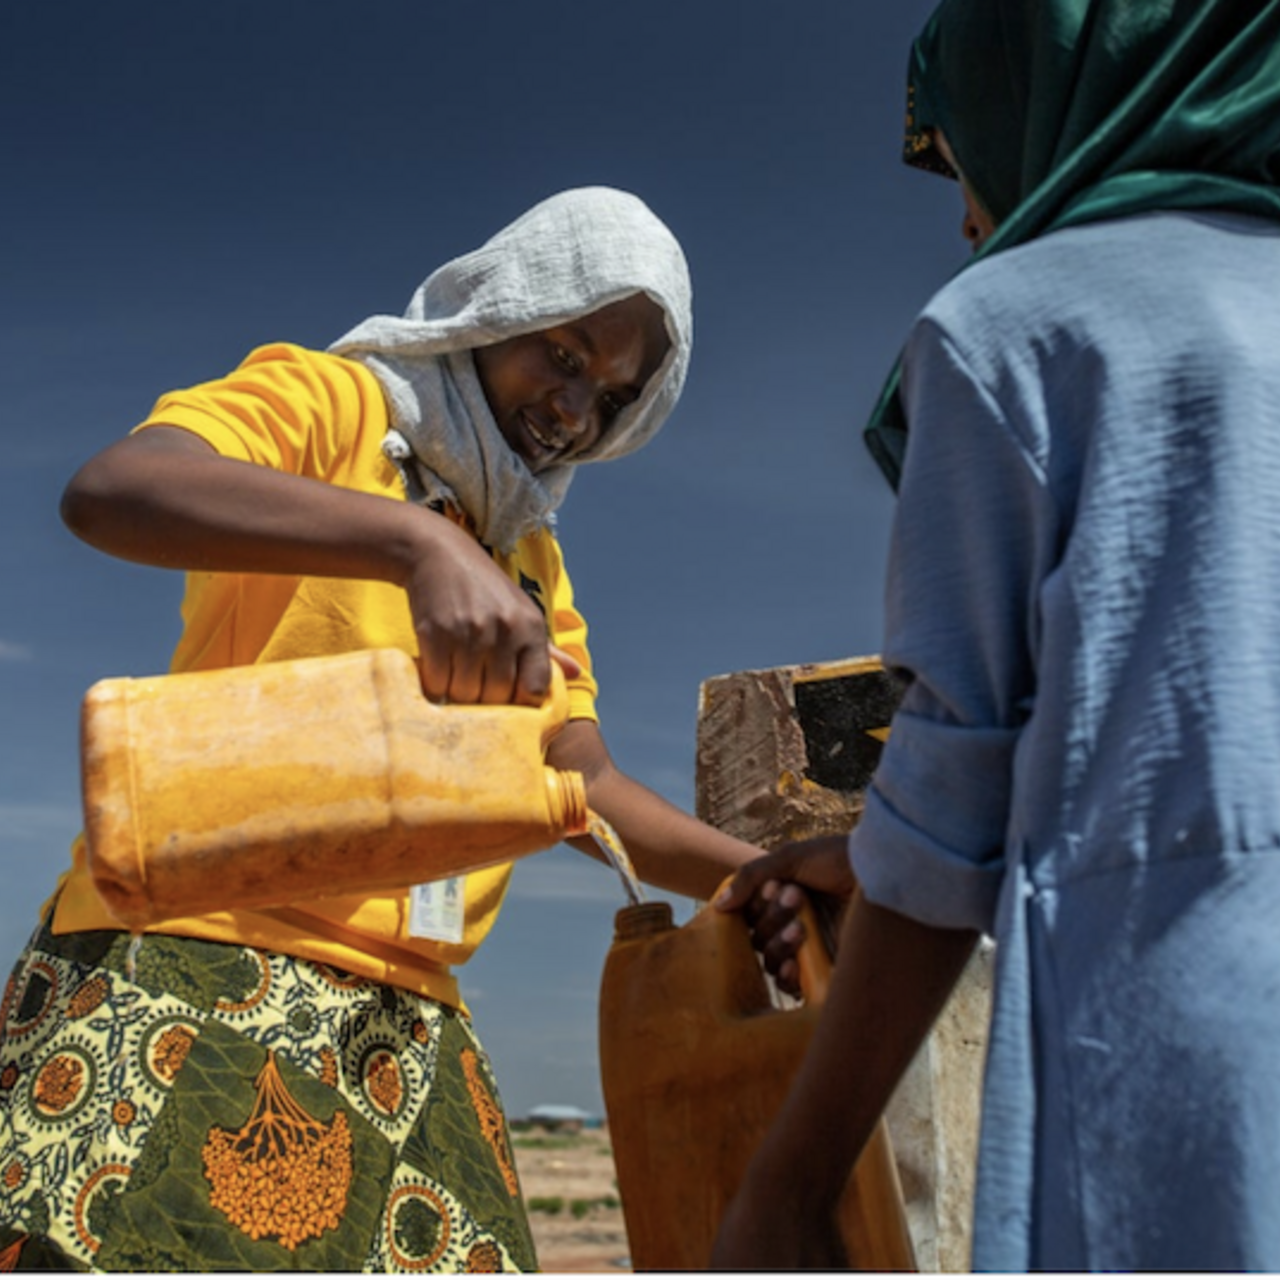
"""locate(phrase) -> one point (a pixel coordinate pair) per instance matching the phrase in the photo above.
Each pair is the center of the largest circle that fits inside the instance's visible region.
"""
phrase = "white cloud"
(11, 652)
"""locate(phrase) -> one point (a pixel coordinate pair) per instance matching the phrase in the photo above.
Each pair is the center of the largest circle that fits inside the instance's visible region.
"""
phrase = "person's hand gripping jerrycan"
(696, 1061)
(261, 786)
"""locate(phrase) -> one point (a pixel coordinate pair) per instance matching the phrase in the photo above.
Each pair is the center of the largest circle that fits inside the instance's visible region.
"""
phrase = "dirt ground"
(569, 1188)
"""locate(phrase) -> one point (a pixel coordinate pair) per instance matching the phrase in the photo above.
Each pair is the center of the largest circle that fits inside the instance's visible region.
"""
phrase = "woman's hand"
(165, 497)
(768, 893)
(481, 639)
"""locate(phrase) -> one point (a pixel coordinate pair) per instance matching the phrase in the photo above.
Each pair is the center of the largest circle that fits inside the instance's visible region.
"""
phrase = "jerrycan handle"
(813, 959)
(555, 710)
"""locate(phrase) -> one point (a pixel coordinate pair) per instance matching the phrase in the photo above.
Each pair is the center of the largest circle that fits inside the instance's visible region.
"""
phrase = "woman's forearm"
(892, 978)
(670, 849)
(164, 497)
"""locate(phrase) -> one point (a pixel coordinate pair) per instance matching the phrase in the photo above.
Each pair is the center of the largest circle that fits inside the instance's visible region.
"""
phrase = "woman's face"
(555, 392)
(978, 225)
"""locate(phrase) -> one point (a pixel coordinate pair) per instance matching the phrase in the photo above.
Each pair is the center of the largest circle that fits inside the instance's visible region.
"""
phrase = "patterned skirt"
(175, 1105)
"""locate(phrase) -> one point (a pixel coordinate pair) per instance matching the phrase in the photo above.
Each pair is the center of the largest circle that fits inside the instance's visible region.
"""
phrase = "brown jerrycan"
(696, 1060)
(266, 785)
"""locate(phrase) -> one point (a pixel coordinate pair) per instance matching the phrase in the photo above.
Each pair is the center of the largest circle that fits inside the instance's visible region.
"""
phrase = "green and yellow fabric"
(174, 1104)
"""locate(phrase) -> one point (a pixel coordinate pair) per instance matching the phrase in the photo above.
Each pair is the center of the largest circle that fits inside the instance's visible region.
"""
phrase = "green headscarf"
(1061, 112)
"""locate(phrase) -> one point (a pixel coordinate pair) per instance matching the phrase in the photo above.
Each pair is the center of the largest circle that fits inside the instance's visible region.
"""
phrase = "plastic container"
(696, 1061)
(267, 785)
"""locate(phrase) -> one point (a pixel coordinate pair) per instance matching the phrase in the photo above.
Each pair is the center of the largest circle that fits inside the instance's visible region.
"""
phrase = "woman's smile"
(548, 439)
(555, 392)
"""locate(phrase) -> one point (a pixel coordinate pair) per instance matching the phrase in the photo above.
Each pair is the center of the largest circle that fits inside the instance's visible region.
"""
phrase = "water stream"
(131, 956)
(615, 854)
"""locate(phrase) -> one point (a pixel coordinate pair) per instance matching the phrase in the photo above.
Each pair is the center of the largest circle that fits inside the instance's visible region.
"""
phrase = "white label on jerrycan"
(436, 910)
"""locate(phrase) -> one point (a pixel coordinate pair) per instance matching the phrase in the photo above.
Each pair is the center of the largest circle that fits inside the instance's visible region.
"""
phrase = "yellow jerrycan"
(261, 786)
(696, 1061)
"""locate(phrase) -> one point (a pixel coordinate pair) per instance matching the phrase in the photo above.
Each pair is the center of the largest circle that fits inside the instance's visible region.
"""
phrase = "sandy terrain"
(569, 1188)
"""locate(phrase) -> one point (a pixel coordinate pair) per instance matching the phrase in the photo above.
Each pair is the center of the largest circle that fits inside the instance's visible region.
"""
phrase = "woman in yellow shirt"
(301, 1089)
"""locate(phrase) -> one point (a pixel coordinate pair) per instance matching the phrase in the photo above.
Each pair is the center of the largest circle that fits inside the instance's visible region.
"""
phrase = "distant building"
(560, 1118)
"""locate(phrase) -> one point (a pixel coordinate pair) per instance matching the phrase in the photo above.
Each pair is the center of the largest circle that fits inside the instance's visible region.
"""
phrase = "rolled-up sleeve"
(972, 537)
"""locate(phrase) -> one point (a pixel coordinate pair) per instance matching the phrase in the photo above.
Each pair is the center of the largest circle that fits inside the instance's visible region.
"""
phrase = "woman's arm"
(891, 980)
(670, 849)
(678, 853)
(165, 497)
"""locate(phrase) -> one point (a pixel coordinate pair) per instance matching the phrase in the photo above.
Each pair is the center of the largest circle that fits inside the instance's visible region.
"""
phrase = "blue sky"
(186, 181)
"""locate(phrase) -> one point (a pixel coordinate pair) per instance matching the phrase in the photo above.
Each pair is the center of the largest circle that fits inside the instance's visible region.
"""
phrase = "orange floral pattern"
(88, 996)
(171, 1051)
(329, 1067)
(9, 1258)
(484, 1257)
(59, 1084)
(109, 1173)
(421, 1254)
(490, 1116)
(278, 1158)
(256, 997)
(283, 1174)
(382, 1080)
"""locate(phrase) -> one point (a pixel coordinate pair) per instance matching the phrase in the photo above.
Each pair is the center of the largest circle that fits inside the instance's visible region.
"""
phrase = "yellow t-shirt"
(324, 417)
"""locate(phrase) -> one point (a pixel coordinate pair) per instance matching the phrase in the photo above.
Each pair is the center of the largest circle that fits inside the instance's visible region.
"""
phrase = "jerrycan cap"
(641, 920)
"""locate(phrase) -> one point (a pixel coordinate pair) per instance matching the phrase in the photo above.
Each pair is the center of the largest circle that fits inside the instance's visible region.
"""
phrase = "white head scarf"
(567, 257)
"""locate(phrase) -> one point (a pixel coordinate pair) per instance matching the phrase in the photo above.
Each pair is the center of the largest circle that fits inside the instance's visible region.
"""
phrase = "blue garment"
(1084, 591)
